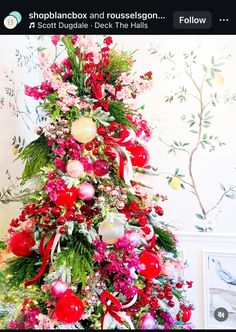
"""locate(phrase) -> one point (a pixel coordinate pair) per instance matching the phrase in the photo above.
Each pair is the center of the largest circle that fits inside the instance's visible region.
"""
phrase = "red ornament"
(152, 263)
(100, 167)
(184, 315)
(21, 244)
(66, 197)
(69, 309)
(140, 155)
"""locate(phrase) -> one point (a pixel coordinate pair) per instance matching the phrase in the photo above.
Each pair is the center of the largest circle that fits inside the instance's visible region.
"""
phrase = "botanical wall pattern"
(202, 97)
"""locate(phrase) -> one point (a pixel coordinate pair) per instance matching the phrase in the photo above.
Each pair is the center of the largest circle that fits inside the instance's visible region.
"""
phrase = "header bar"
(77, 20)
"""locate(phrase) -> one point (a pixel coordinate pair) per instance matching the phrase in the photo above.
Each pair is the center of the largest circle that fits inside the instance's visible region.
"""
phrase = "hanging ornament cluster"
(117, 195)
(55, 130)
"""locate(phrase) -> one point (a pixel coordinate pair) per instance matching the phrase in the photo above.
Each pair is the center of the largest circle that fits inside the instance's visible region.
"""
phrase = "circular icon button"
(221, 314)
(10, 22)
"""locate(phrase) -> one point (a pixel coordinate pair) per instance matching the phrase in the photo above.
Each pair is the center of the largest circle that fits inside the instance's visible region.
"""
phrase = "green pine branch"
(35, 155)
(79, 259)
(20, 269)
(165, 240)
(119, 62)
(117, 110)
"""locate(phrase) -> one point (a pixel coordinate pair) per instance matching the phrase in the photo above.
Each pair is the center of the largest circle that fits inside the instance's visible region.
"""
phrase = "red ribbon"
(44, 252)
(111, 308)
(116, 142)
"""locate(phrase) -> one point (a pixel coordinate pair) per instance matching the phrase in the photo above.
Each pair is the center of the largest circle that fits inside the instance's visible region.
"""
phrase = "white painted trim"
(203, 236)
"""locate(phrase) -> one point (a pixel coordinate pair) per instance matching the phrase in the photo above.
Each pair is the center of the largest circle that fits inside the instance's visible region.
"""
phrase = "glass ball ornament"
(83, 130)
(184, 314)
(152, 265)
(147, 322)
(21, 244)
(66, 197)
(86, 191)
(111, 231)
(139, 155)
(69, 309)
(101, 167)
(74, 168)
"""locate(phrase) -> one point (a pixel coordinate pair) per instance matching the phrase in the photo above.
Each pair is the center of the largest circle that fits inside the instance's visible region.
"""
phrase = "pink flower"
(88, 165)
(55, 39)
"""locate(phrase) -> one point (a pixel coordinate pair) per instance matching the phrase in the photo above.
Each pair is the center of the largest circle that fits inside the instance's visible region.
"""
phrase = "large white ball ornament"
(84, 130)
(111, 231)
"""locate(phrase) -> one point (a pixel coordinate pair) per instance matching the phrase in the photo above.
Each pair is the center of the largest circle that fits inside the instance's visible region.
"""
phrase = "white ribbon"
(56, 242)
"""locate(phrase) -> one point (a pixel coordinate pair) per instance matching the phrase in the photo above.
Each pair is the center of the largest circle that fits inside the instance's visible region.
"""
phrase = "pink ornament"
(86, 191)
(101, 167)
(74, 168)
(28, 225)
(58, 288)
(147, 322)
(168, 269)
(134, 238)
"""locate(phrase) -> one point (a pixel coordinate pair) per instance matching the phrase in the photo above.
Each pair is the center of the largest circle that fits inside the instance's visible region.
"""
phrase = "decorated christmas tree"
(90, 244)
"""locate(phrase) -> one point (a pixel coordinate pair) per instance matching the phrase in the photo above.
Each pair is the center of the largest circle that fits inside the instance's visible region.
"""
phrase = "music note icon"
(32, 25)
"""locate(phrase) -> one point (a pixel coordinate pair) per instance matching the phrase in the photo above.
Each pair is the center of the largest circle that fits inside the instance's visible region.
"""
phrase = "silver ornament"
(123, 197)
(114, 193)
(101, 187)
(120, 205)
(107, 189)
(63, 122)
(101, 199)
(59, 132)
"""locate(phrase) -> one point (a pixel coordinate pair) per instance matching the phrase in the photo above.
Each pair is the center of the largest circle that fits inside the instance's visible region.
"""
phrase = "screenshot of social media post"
(117, 169)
